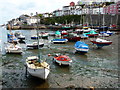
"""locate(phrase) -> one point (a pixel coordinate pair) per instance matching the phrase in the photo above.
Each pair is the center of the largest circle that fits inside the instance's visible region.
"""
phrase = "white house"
(32, 20)
(98, 10)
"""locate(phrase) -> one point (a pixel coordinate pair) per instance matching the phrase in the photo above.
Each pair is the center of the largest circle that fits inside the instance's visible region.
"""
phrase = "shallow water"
(96, 63)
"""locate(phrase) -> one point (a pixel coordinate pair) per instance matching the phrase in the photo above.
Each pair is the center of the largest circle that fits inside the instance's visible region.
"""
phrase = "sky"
(10, 9)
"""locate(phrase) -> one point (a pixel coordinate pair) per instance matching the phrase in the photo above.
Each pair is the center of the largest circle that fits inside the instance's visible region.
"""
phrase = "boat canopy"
(80, 44)
(91, 32)
(63, 58)
(57, 33)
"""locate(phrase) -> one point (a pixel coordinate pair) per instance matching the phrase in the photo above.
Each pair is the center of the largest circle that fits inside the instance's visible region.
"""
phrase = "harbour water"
(98, 68)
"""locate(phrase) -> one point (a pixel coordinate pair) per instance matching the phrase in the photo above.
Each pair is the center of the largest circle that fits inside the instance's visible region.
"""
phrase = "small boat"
(107, 32)
(101, 42)
(36, 65)
(34, 37)
(34, 45)
(72, 37)
(63, 32)
(92, 33)
(44, 34)
(12, 48)
(59, 41)
(104, 35)
(19, 35)
(58, 34)
(62, 60)
(81, 47)
(84, 36)
(12, 38)
(36, 68)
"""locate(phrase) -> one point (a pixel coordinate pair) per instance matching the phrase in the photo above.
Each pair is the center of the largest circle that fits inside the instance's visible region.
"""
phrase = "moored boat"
(59, 41)
(34, 37)
(81, 47)
(12, 48)
(101, 42)
(72, 37)
(36, 68)
(34, 45)
(62, 60)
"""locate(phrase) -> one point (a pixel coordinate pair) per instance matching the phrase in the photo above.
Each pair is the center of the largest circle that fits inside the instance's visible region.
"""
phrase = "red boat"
(92, 35)
(64, 32)
(101, 42)
(62, 60)
(72, 37)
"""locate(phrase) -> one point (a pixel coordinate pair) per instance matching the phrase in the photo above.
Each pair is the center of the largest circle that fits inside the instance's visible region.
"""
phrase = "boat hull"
(81, 50)
(92, 35)
(14, 51)
(73, 38)
(101, 44)
(40, 73)
(62, 62)
(35, 46)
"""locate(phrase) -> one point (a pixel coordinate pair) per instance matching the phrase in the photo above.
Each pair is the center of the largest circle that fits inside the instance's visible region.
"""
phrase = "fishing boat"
(81, 47)
(101, 42)
(62, 60)
(72, 37)
(34, 45)
(36, 66)
(12, 48)
(59, 41)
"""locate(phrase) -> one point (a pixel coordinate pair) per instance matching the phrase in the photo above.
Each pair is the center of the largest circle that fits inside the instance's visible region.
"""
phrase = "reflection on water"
(91, 64)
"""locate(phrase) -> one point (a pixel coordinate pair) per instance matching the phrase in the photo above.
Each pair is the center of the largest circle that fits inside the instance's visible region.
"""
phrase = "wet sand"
(76, 81)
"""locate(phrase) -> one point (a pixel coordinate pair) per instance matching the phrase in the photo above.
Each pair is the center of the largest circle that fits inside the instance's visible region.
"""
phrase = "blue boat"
(60, 41)
(34, 37)
(107, 32)
(81, 47)
(12, 38)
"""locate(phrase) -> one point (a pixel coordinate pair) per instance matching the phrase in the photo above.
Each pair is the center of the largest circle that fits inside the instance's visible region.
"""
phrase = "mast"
(39, 54)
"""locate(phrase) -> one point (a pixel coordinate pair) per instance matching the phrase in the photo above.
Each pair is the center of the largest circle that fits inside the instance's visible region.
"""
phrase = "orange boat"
(62, 60)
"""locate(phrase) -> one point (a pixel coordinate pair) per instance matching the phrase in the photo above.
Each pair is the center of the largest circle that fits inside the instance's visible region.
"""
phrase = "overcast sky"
(10, 9)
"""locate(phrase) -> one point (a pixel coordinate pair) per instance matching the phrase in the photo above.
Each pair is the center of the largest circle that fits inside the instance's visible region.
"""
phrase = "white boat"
(62, 60)
(21, 37)
(44, 34)
(35, 45)
(34, 37)
(12, 48)
(36, 68)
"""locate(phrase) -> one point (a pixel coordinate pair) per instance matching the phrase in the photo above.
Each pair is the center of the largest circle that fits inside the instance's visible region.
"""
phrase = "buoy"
(49, 54)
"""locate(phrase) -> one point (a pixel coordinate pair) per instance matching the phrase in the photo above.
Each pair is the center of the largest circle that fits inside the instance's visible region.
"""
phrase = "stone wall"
(98, 19)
